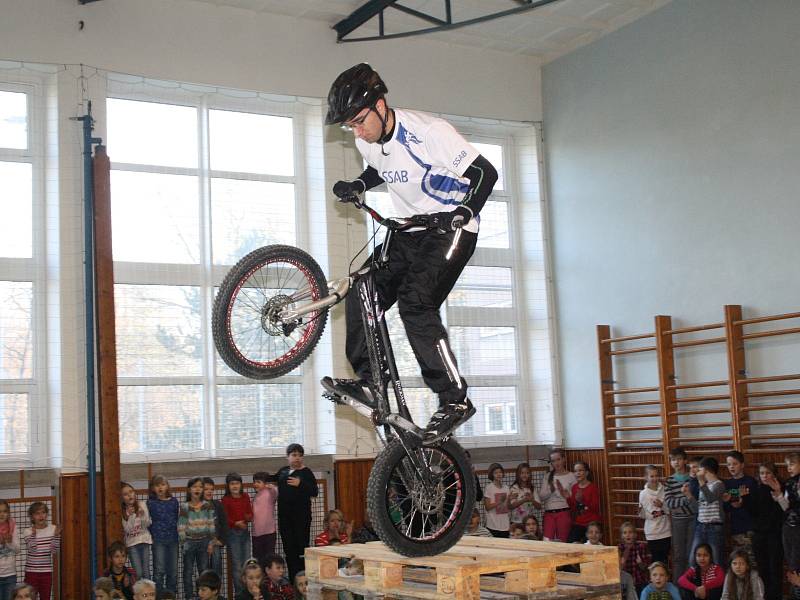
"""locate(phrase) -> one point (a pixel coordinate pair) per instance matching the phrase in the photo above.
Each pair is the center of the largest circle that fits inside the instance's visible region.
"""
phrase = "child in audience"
(738, 503)
(584, 501)
(532, 529)
(220, 524)
(682, 511)
(553, 494)
(196, 529)
(277, 582)
(475, 528)
(594, 534)
(103, 586)
(136, 526)
(164, 508)
(24, 591)
(296, 486)
(742, 582)
(495, 501)
(42, 541)
(656, 519)
(710, 516)
(254, 585)
(660, 587)
(122, 576)
(335, 529)
(634, 556)
(9, 548)
(208, 585)
(264, 527)
(516, 531)
(705, 580)
(522, 497)
(300, 586)
(767, 525)
(790, 503)
(239, 511)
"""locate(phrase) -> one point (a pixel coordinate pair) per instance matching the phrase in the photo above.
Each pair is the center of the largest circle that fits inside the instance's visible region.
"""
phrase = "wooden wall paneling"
(73, 503)
(106, 353)
(350, 484)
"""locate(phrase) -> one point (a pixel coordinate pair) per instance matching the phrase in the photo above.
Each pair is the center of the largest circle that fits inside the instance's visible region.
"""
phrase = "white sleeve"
(447, 148)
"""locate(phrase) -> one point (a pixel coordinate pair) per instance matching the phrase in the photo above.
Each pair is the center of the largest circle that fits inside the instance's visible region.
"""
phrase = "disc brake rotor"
(270, 315)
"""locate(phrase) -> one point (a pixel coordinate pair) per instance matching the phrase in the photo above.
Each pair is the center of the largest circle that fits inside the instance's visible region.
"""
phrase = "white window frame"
(207, 275)
(31, 270)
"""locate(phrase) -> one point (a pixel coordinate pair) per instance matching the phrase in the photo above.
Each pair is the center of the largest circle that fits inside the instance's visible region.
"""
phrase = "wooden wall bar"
(630, 444)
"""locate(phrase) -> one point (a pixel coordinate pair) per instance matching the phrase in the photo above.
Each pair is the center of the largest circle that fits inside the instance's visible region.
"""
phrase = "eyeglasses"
(350, 125)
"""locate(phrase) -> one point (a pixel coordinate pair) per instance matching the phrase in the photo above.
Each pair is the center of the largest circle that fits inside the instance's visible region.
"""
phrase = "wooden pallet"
(474, 568)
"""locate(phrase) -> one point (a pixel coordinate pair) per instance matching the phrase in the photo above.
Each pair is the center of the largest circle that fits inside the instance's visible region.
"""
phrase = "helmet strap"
(384, 121)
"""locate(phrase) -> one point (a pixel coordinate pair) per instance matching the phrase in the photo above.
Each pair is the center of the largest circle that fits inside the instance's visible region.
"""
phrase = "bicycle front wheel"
(248, 333)
(415, 518)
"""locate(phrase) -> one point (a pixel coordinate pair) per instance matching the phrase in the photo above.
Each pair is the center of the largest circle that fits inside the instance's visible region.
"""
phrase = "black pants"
(769, 556)
(659, 549)
(295, 531)
(263, 546)
(423, 267)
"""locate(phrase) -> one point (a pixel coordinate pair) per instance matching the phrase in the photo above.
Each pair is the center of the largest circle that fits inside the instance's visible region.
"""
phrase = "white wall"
(183, 40)
(673, 169)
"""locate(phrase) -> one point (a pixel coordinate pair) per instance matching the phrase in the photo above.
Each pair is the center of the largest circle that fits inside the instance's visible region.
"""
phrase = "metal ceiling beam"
(360, 16)
(376, 7)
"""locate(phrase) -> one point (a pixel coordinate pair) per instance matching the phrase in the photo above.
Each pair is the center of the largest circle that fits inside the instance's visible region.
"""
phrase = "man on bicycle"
(428, 168)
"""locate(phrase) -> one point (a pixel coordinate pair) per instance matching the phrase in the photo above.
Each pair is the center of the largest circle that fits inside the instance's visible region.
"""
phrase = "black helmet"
(354, 90)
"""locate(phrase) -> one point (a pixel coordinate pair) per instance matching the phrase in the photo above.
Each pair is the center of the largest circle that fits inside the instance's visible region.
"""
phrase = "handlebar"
(393, 223)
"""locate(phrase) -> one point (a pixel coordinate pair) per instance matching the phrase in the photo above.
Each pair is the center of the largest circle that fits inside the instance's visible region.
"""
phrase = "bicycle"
(268, 316)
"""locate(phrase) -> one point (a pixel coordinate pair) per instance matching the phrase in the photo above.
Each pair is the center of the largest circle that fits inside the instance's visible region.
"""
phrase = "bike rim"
(425, 513)
(260, 290)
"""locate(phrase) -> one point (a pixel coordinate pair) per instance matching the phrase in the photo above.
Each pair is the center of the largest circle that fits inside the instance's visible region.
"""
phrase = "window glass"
(16, 210)
(259, 416)
(16, 331)
(160, 418)
(13, 120)
(249, 214)
(251, 143)
(155, 217)
(149, 133)
(158, 330)
(488, 287)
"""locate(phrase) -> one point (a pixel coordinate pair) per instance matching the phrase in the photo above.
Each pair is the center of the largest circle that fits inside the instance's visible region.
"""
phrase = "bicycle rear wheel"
(414, 519)
(248, 334)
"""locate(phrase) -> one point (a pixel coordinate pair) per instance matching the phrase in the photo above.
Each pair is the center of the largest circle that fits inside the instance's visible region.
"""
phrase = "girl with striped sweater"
(42, 541)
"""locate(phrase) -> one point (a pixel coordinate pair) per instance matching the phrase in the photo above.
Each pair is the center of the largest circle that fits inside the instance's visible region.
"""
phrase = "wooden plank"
(736, 370)
(108, 409)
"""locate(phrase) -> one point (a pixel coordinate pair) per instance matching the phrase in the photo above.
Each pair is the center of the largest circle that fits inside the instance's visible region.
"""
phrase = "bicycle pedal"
(332, 397)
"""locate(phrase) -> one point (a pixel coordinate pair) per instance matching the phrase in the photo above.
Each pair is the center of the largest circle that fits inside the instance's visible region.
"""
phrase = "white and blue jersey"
(425, 165)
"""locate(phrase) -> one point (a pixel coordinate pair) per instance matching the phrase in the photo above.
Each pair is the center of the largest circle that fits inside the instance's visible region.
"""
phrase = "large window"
(481, 313)
(196, 184)
(18, 273)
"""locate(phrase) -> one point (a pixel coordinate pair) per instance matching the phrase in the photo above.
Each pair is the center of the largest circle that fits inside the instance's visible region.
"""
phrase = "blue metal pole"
(88, 263)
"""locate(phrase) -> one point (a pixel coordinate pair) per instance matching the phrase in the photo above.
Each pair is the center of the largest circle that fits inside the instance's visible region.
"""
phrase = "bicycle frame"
(379, 345)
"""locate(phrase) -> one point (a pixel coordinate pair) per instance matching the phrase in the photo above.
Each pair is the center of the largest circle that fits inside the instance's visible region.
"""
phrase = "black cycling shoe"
(356, 389)
(447, 419)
